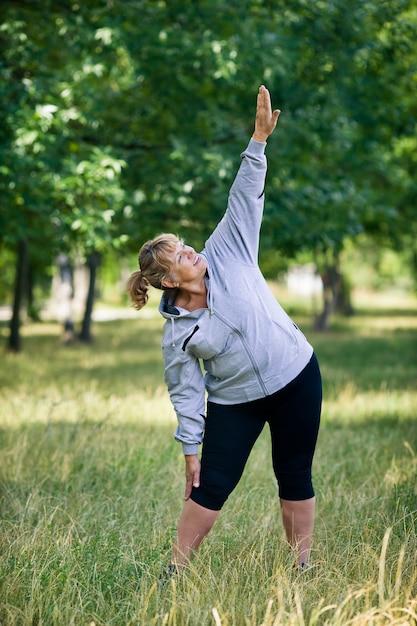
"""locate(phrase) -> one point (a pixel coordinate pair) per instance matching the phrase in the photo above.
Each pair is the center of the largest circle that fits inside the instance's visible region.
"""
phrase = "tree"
(168, 100)
(48, 158)
(87, 200)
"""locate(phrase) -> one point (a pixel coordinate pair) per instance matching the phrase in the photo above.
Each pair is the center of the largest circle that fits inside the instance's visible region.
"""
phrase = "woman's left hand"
(266, 119)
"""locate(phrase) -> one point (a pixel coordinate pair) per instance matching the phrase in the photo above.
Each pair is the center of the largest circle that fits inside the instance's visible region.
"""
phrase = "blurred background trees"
(125, 119)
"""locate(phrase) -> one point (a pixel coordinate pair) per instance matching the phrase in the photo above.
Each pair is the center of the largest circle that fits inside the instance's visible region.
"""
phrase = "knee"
(208, 499)
(215, 488)
(295, 485)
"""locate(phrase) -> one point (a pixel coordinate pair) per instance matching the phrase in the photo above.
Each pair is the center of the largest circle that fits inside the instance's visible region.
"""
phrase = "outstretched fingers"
(266, 119)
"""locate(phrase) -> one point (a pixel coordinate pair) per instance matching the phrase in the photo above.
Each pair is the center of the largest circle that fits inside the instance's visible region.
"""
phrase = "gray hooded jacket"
(248, 346)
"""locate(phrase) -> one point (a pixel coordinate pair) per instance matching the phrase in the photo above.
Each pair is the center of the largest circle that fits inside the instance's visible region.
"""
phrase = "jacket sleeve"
(237, 234)
(185, 382)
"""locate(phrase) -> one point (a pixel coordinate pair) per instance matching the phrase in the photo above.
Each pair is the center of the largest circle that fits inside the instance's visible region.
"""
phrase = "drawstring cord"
(172, 332)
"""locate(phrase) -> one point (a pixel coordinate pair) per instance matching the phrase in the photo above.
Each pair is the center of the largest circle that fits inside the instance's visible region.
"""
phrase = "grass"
(91, 487)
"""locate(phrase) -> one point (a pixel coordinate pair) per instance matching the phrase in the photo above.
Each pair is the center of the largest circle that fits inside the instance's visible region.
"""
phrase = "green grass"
(91, 485)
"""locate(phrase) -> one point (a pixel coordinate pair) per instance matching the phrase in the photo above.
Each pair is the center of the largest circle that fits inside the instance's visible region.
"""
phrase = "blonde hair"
(155, 267)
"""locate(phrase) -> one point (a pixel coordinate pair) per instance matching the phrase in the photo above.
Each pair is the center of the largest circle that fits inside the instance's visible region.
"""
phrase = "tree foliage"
(126, 119)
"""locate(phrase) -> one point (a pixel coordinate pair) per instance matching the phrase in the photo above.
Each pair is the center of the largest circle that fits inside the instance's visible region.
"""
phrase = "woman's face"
(187, 265)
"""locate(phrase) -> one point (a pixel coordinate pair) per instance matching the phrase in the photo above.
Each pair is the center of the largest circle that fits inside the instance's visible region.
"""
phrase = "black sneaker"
(306, 567)
(171, 571)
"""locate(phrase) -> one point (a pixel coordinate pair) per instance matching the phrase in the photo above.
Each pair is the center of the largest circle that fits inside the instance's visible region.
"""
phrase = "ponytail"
(155, 267)
(137, 288)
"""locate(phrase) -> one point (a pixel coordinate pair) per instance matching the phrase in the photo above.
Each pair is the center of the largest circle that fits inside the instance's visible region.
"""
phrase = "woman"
(258, 365)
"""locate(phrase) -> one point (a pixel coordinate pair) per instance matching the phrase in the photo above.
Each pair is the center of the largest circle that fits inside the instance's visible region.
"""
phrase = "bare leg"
(298, 520)
(195, 523)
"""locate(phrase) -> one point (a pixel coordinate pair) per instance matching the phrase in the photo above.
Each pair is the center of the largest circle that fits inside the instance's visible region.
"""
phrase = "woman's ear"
(170, 284)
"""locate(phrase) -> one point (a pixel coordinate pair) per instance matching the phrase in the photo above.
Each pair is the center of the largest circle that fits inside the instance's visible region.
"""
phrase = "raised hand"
(266, 119)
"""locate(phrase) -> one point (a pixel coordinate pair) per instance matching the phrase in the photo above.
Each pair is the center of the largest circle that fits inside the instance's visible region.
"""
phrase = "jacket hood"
(171, 312)
(166, 304)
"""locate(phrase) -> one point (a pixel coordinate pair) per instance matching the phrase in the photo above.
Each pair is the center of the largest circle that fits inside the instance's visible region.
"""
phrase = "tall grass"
(91, 486)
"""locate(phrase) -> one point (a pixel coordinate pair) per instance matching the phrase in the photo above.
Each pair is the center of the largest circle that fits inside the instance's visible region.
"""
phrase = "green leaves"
(147, 106)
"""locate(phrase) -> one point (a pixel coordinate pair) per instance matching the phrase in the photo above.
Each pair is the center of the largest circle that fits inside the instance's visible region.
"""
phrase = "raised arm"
(266, 119)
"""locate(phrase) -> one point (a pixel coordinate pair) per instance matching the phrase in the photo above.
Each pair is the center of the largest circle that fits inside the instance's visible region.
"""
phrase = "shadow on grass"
(126, 354)
(369, 362)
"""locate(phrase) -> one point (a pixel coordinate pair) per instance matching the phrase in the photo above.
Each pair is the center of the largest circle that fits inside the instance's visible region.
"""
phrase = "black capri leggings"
(293, 415)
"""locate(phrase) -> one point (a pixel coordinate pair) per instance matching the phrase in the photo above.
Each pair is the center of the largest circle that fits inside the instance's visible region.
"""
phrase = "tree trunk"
(93, 262)
(336, 297)
(414, 266)
(64, 295)
(321, 323)
(32, 310)
(14, 343)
